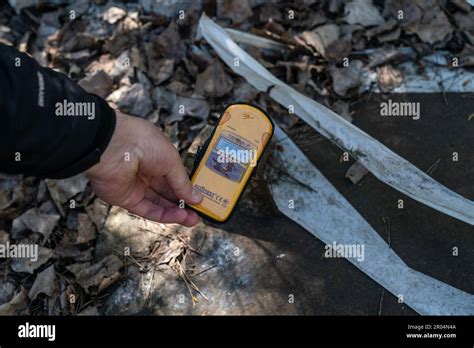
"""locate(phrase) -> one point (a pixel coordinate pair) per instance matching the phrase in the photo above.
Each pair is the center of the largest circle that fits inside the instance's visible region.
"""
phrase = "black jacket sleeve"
(49, 126)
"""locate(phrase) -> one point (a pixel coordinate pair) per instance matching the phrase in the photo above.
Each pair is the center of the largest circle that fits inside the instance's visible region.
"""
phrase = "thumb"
(162, 159)
(178, 180)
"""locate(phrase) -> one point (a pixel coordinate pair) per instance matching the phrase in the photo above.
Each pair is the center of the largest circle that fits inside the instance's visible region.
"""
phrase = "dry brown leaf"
(163, 98)
(86, 229)
(388, 78)
(113, 14)
(386, 26)
(189, 106)
(15, 194)
(213, 82)
(362, 12)
(270, 12)
(409, 8)
(244, 91)
(45, 283)
(4, 237)
(119, 42)
(356, 172)
(98, 83)
(387, 54)
(17, 305)
(37, 221)
(342, 108)
(75, 253)
(63, 190)
(171, 131)
(161, 70)
(178, 87)
(320, 38)
(104, 63)
(171, 251)
(390, 36)
(7, 186)
(78, 42)
(27, 265)
(466, 25)
(198, 141)
(236, 10)
(7, 290)
(99, 276)
(169, 43)
(133, 100)
(338, 50)
(346, 78)
(168, 8)
(437, 29)
(97, 212)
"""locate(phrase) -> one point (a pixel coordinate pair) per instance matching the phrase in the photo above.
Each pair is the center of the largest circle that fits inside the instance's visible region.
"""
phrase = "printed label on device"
(240, 137)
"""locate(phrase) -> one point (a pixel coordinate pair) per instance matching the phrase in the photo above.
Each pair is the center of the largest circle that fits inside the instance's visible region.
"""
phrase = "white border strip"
(325, 213)
(386, 165)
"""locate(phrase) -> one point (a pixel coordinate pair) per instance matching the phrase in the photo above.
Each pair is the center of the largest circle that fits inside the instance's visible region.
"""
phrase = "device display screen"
(229, 159)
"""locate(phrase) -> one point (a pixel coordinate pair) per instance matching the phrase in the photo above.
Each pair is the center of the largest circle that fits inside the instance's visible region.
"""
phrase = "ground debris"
(148, 61)
(98, 276)
(17, 305)
(45, 283)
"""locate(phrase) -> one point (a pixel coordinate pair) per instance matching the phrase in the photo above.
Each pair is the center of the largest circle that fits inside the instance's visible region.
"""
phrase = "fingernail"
(197, 196)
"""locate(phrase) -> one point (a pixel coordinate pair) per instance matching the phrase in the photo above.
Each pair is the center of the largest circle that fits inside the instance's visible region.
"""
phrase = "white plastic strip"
(325, 213)
(255, 40)
(386, 165)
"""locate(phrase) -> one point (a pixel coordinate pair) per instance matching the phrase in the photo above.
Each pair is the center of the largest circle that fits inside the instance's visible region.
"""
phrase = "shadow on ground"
(260, 262)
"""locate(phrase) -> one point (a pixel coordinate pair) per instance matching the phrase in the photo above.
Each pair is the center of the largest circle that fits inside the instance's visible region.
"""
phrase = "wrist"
(120, 150)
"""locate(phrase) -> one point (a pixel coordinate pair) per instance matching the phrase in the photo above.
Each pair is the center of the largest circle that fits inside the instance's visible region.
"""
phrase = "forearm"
(50, 126)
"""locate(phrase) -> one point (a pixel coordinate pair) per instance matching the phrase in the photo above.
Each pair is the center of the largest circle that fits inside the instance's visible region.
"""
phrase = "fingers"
(162, 159)
(158, 213)
(127, 184)
(177, 179)
(160, 186)
(181, 186)
(159, 209)
(192, 219)
(158, 198)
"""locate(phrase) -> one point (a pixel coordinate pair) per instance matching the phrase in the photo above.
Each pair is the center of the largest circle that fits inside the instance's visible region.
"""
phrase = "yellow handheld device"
(228, 158)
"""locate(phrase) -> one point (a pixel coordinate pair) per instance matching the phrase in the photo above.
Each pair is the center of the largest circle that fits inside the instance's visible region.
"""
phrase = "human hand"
(142, 172)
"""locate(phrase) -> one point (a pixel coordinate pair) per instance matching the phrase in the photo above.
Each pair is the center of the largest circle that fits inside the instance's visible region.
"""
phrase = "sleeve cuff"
(103, 137)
